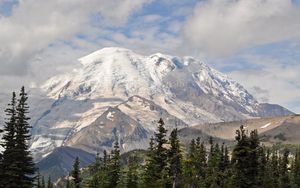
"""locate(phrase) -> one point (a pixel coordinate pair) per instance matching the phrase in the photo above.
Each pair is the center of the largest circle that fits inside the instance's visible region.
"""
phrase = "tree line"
(167, 163)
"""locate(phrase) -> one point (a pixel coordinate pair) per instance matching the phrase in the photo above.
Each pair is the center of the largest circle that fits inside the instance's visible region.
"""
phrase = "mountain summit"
(119, 92)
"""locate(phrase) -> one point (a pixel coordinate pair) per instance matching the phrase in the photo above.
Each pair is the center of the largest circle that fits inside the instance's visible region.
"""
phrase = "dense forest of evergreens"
(166, 163)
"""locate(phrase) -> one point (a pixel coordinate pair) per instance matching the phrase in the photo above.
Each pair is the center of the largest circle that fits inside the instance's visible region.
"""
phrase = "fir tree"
(23, 159)
(38, 180)
(296, 169)
(274, 169)
(149, 173)
(76, 173)
(156, 173)
(9, 176)
(190, 166)
(175, 159)
(132, 174)
(49, 183)
(114, 166)
(244, 163)
(43, 185)
(283, 170)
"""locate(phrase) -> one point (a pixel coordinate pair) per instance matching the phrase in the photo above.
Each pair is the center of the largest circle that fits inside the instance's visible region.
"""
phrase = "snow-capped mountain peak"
(123, 73)
(115, 83)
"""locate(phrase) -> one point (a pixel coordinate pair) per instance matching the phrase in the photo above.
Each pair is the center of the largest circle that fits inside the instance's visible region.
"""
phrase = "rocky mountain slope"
(119, 94)
(284, 129)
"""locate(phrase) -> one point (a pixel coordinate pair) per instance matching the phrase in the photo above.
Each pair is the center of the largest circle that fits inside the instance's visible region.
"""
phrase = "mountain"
(283, 129)
(60, 161)
(118, 94)
(131, 122)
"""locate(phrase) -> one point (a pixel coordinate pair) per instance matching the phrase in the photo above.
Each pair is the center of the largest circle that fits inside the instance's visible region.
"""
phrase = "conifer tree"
(274, 169)
(245, 166)
(76, 173)
(114, 165)
(190, 167)
(283, 170)
(49, 183)
(24, 161)
(200, 159)
(175, 159)
(43, 185)
(68, 184)
(296, 169)
(9, 175)
(132, 174)
(149, 174)
(38, 180)
(156, 166)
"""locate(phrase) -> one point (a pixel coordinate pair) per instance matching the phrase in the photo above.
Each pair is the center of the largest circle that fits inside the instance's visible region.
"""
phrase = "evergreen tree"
(114, 165)
(149, 173)
(283, 170)
(156, 173)
(245, 161)
(49, 183)
(24, 161)
(200, 161)
(296, 169)
(274, 169)
(43, 185)
(190, 166)
(68, 184)
(213, 171)
(175, 159)
(9, 176)
(76, 173)
(38, 179)
(132, 174)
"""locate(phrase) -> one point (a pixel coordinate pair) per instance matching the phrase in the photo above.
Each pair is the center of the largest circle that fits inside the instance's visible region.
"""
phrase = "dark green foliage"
(132, 173)
(23, 159)
(8, 163)
(76, 173)
(17, 167)
(43, 185)
(245, 159)
(49, 183)
(38, 180)
(114, 166)
(175, 159)
(296, 169)
(284, 180)
(156, 169)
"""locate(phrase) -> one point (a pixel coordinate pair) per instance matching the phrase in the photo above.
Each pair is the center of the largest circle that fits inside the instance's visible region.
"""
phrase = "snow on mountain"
(140, 89)
(123, 73)
(132, 122)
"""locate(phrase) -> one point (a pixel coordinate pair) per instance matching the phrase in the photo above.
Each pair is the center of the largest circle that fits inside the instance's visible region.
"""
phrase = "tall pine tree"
(9, 175)
(114, 167)
(76, 173)
(175, 159)
(156, 173)
(24, 161)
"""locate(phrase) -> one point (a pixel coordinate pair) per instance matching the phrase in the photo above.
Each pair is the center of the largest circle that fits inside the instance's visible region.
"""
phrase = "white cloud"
(222, 27)
(35, 24)
(275, 81)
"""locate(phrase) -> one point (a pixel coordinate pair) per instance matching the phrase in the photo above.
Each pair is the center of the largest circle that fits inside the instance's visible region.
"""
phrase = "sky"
(255, 42)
